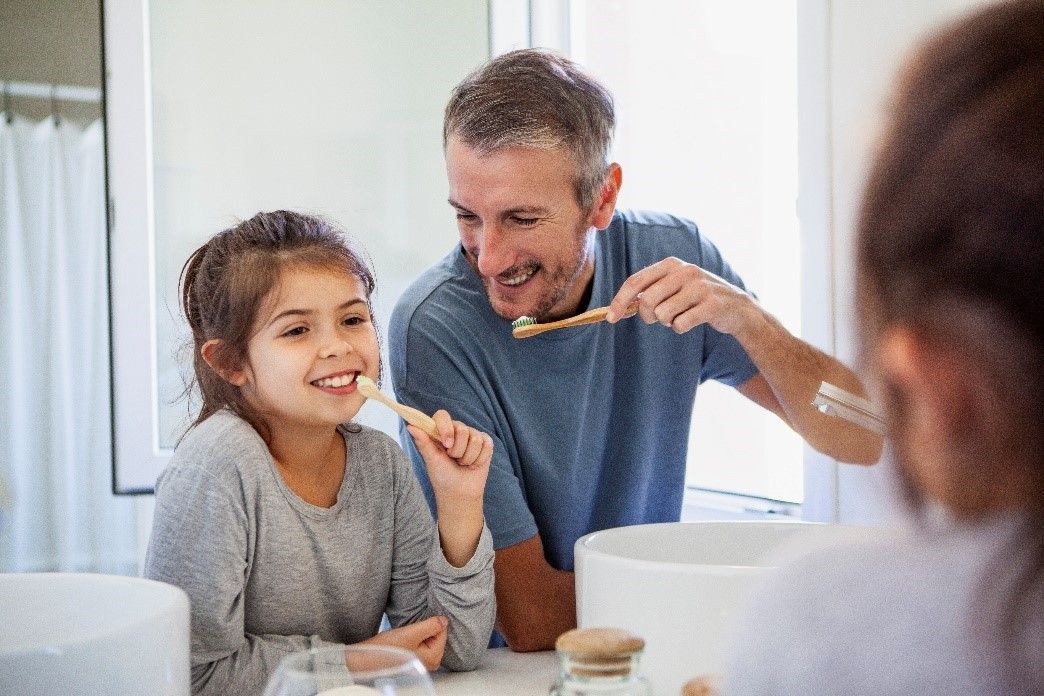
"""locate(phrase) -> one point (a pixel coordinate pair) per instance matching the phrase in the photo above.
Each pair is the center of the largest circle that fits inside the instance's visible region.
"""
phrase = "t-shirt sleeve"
(724, 359)
(200, 540)
(442, 375)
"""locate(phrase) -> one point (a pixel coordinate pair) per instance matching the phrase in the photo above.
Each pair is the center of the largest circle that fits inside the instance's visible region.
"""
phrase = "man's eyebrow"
(308, 312)
(527, 210)
(523, 209)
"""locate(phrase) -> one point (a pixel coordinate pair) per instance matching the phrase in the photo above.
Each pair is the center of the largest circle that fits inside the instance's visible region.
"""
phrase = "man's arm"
(535, 602)
(682, 296)
(789, 374)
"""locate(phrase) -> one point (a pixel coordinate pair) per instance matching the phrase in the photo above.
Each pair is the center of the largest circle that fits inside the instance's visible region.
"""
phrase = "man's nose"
(495, 254)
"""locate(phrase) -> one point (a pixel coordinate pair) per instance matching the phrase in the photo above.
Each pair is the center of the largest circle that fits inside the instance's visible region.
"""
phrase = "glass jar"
(599, 662)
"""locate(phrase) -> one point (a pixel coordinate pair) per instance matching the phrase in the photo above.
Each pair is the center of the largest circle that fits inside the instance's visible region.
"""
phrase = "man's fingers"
(632, 287)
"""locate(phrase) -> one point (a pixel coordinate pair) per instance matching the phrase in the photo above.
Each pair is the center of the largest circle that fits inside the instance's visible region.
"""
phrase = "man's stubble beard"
(561, 283)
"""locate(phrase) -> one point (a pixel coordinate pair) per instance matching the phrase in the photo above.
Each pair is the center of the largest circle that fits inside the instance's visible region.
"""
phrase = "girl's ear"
(211, 352)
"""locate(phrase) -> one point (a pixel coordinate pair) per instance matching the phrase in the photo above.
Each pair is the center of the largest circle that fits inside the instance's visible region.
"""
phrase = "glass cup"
(356, 670)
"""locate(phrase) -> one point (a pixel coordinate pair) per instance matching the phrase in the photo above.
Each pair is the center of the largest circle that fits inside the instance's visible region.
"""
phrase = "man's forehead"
(508, 178)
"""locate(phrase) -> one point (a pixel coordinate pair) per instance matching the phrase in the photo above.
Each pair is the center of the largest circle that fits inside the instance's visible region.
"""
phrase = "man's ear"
(605, 204)
(211, 352)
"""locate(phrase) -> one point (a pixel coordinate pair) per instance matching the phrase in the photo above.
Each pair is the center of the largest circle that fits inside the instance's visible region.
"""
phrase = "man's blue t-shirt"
(590, 424)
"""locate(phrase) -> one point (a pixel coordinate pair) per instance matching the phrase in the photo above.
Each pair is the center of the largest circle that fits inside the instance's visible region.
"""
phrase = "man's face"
(521, 227)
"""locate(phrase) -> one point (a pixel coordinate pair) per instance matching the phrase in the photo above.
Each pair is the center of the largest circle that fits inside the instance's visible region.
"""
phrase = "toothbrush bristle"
(523, 321)
(363, 379)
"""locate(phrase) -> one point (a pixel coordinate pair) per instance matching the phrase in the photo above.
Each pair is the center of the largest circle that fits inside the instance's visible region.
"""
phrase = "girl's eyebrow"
(308, 312)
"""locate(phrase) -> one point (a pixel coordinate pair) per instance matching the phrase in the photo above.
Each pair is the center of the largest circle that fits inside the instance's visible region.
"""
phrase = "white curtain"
(57, 510)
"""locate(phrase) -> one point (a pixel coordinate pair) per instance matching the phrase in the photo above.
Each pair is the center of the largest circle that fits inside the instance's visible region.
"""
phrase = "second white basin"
(680, 585)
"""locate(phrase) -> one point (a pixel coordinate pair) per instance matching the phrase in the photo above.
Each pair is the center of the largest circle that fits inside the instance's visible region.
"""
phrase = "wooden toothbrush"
(524, 327)
(409, 414)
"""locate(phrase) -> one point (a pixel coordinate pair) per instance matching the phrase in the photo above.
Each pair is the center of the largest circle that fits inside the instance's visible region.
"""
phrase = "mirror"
(56, 507)
(327, 108)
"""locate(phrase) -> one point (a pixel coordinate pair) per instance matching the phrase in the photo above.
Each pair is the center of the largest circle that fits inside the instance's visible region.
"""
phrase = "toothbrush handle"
(591, 316)
(411, 415)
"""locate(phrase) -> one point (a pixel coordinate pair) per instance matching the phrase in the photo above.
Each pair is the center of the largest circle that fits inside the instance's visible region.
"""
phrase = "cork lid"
(599, 642)
(707, 685)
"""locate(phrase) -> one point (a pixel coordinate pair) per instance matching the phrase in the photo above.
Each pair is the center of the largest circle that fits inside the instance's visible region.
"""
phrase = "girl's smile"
(339, 383)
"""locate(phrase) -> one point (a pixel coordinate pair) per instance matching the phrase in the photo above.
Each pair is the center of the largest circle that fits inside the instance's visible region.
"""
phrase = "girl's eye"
(354, 320)
(296, 331)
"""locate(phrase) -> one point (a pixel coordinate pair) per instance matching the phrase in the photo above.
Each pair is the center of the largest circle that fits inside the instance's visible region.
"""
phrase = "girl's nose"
(334, 346)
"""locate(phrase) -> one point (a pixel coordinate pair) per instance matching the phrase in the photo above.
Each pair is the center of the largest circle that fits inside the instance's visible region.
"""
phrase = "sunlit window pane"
(706, 94)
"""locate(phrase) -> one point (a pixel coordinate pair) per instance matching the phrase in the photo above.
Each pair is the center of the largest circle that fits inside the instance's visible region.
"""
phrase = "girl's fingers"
(461, 435)
(445, 427)
(474, 449)
(487, 450)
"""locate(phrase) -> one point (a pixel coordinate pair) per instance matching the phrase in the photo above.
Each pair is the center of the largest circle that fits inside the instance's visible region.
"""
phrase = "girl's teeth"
(340, 381)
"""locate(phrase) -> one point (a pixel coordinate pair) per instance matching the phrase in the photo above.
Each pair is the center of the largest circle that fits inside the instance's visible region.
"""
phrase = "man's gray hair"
(536, 98)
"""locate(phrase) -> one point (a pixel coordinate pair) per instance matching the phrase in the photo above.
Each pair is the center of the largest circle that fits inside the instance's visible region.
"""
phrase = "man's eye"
(465, 217)
(296, 331)
(524, 222)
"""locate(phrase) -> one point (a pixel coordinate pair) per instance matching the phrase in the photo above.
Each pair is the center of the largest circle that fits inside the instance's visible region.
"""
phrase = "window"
(706, 96)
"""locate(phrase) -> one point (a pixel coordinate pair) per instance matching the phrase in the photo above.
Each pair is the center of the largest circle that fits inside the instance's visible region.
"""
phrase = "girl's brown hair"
(225, 281)
(951, 245)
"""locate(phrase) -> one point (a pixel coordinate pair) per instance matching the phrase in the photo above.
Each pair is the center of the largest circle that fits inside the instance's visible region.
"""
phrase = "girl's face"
(313, 336)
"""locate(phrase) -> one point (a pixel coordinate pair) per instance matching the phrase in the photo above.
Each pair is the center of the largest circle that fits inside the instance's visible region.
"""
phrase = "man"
(590, 424)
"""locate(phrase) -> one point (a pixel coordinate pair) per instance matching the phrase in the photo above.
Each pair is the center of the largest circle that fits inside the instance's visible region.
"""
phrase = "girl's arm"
(201, 539)
(426, 581)
(457, 468)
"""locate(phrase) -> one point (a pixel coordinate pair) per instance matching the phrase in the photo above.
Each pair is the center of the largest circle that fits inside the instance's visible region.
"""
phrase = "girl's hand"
(427, 639)
(458, 462)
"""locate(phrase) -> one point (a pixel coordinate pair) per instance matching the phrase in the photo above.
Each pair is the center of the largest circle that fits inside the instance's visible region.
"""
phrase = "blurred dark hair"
(225, 281)
(951, 246)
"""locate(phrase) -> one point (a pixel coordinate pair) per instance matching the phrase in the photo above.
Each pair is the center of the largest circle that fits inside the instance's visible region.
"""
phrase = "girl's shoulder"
(224, 446)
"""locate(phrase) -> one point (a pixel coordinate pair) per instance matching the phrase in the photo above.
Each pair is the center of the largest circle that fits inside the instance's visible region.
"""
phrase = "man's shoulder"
(644, 220)
(443, 300)
(654, 233)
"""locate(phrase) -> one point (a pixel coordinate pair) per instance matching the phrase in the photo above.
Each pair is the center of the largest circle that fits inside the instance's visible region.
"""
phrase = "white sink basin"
(72, 633)
(679, 585)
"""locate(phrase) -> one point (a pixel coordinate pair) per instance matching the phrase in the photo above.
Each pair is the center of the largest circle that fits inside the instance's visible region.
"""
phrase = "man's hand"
(427, 639)
(682, 296)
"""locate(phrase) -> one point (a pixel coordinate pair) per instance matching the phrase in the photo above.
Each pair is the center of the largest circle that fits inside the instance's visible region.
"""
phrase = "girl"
(950, 274)
(288, 526)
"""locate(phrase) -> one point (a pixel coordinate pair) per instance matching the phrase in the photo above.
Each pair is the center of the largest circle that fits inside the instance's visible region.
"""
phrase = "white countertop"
(503, 673)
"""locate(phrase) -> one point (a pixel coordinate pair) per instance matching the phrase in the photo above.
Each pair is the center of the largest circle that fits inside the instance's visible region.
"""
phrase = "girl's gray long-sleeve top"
(268, 574)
